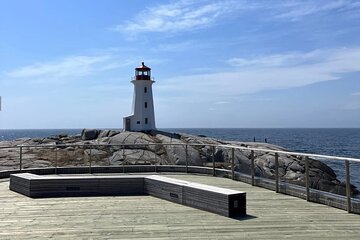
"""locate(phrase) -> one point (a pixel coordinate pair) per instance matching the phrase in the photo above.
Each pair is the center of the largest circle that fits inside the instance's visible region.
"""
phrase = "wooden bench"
(225, 202)
(218, 200)
(36, 186)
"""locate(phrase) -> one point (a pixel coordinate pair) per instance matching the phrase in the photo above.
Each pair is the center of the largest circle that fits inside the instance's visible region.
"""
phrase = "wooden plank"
(170, 191)
(222, 201)
(271, 216)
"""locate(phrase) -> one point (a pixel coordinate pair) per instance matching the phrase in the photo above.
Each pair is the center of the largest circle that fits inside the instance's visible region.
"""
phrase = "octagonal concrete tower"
(142, 117)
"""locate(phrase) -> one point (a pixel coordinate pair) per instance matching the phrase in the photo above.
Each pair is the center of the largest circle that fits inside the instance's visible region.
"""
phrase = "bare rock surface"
(117, 148)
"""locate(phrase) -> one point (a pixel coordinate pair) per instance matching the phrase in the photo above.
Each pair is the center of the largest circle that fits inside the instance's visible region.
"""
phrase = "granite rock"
(155, 148)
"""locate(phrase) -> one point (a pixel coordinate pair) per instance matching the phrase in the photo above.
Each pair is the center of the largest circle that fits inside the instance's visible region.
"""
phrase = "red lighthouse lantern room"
(143, 72)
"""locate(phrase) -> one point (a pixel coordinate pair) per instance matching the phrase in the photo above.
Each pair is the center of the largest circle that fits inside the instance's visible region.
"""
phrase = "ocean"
(343, 142)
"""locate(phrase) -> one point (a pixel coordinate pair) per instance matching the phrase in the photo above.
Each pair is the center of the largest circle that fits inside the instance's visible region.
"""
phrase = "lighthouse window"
(146, 121)
(145, 104)
(145, 89)
(138, 122)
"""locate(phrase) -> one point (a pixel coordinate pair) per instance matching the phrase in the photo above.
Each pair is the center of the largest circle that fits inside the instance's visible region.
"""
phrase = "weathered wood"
(271, 216)
(168, 190)
(317, 196)
(348, 192)
(222, 201)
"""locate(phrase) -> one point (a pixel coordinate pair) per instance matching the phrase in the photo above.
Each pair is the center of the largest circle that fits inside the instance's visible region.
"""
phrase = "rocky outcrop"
(117, 148)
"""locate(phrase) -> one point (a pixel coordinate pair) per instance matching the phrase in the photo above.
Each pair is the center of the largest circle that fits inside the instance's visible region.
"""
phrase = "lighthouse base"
(132, 125)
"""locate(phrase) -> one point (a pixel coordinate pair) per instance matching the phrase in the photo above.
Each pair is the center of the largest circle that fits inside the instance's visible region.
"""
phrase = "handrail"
(213, 146)
(192, 144)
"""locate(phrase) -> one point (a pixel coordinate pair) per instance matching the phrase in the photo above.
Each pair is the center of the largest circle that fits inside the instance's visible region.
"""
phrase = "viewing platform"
(269, 216)
(276, 206)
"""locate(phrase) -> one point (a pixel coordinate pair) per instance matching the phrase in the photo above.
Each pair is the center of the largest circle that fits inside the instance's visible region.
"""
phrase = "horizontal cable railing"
(253, 150)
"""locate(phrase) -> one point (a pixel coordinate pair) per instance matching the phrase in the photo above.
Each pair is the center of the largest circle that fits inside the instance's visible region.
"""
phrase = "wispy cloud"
(277, 60)
(222, 102)
(187, 15)
(296, 10)
(325, 65)
(355, 94)
(75, 66)
(178, 16)
(71, 66)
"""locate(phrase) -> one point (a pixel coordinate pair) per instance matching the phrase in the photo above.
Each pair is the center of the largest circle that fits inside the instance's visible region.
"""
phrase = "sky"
(217, 64)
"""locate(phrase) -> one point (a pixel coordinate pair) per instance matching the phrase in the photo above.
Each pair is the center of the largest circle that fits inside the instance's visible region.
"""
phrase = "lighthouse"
(142, 117)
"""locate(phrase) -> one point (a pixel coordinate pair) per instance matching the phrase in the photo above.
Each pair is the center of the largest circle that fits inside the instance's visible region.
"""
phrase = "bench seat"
(226, 202)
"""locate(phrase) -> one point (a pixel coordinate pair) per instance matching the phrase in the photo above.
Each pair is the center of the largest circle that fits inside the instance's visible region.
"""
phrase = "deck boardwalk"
(271, 216)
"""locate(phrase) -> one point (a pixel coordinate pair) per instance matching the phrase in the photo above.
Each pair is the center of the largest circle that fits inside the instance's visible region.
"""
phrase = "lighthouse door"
(127, 125)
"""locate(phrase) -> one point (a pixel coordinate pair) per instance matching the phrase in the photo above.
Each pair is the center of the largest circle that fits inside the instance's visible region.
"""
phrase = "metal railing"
(213, 147)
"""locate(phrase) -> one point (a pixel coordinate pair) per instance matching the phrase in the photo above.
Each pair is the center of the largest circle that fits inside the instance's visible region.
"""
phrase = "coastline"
(172, 154)
(342, 142)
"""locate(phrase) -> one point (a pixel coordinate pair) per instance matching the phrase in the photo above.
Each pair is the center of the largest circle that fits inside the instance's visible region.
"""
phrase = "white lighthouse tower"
(142, 117)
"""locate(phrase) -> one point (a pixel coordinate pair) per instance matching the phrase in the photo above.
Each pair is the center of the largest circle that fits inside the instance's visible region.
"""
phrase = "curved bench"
(317, 196)
(226, 202)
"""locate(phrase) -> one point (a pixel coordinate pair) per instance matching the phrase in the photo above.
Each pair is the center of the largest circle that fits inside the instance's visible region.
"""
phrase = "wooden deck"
(271, 216)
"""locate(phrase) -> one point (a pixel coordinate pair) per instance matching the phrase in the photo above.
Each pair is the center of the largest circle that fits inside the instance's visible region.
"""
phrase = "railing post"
(276, 172)
(90, 159)
(307, 178)
(56, 160)
(186, 158)
(348, 189)
(20, 167)
(232, 163)
(155, 161)
(123, 161)
(252, 168)
(213, 160)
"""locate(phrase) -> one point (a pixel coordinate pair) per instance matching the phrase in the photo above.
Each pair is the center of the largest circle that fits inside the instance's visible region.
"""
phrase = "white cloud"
(187, 15)
(178, 16)
(277, 60)
(355, 94)
(71, 66)
(325, 65)
(222, 102)
(297, 10)
(75, 66)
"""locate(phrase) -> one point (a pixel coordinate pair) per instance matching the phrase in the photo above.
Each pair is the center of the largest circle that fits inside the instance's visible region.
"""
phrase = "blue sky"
(227, 63)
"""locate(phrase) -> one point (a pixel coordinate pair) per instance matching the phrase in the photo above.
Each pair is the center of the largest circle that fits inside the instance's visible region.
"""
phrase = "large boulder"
(89, 134)
(131, 138)
(134, 156)
(103, 133)
(107, 133)
(134, 140)
(176, 154)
